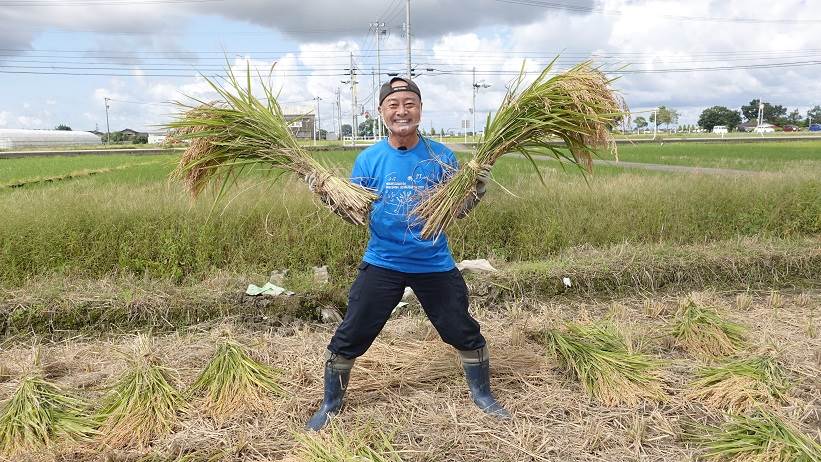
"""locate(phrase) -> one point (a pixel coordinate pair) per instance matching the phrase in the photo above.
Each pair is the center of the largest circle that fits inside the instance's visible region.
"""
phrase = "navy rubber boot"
(477, 375)
(337, 374)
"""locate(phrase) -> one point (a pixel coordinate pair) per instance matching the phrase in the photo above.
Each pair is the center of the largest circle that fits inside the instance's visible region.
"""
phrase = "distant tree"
(795, 117)
(346, 130)
(63, 127)
(719, 115)
(665, 116)
(442, 132)
(640, 122)
(814, 115)
(772, 113)
(366, 128)
(323, 134)
(140, 139)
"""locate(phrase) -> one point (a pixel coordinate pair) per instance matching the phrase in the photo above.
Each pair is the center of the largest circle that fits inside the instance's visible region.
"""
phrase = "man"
(398, 168)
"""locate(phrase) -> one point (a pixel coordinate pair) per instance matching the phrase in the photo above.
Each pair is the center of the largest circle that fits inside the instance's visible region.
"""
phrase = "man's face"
(401, 111)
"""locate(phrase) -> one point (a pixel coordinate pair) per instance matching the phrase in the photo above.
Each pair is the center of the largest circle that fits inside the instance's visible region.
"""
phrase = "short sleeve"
(360, 174)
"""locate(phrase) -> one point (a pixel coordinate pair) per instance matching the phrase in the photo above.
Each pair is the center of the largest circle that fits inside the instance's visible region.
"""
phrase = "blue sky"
(686, 55)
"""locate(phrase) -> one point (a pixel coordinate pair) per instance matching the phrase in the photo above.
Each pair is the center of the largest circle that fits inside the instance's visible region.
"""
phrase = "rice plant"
(576, 106)
(701, 331)
(38, 413)
(762, 437)
(337, 445)
(142, 404)
(600, 358)
(240, 132)
(233, 382)
(741, 385)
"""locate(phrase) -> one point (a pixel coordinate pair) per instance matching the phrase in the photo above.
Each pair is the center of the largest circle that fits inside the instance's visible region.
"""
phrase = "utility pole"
(408, 34)
(353, 101)
(107, 126)
(476, 87)
(318, 126)
(380, 30)
(338, 115)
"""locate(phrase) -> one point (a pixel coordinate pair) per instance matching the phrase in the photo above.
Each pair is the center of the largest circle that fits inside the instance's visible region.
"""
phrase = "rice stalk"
(741, 385)
(233, 382)
(576, 106)
(37, 414)
(338, 445)
(142, 404)
(600, 358)
(701, 331)
(763, 437)
(241, 132)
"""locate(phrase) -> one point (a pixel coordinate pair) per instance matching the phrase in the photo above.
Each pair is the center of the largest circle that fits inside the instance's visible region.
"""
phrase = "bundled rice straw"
(234, 382)
(340, 445)
(576, 106)
(764, 437)
(39, 412)
(701, 331)
(599, 357)
(142, 404)
(741, 385)
(240, 132)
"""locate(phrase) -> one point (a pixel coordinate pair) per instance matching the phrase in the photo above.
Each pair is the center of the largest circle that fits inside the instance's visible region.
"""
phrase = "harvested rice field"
(407, 400)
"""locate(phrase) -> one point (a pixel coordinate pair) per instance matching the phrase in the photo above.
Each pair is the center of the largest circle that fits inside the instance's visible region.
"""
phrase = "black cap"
(388, 88)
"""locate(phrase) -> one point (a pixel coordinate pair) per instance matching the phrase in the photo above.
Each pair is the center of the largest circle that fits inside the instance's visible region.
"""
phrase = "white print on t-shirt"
(401, 195)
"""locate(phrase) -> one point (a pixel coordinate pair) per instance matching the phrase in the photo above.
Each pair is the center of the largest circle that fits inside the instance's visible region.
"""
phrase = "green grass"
(135, 221)
(772, 156)
(29, 169)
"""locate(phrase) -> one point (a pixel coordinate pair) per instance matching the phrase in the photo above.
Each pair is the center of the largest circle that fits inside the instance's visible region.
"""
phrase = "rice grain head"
(577, 107)
(240, 133)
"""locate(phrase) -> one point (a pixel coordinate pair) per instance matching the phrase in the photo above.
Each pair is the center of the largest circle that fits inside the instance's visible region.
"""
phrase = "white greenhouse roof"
(17, 138)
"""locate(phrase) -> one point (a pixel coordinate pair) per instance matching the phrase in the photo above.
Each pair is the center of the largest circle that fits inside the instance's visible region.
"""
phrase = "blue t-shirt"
(397, 177)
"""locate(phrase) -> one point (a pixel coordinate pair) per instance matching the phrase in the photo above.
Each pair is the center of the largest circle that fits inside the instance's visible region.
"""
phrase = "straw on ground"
(38, 413)
(599, 357)
(701, 331)
(234, 383)
(763, 437)
(142, 404)
(741, 385)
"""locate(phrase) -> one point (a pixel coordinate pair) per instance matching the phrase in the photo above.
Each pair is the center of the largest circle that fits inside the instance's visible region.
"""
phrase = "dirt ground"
(410, 384)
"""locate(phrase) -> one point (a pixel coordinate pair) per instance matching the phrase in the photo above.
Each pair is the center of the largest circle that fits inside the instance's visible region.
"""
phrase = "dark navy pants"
(375, 293)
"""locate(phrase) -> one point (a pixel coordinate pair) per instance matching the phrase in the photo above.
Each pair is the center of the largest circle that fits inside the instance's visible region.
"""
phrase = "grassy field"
(136, 221)
(88, 260)
(746, 156)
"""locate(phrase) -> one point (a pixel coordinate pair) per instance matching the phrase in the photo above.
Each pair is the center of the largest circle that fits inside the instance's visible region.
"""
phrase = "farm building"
(20, 138)
(302, 126)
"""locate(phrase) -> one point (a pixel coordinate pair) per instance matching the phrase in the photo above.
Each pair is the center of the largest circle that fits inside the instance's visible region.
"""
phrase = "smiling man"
(398, 169)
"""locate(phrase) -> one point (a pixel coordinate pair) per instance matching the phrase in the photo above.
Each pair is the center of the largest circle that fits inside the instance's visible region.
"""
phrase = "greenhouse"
(18, 138)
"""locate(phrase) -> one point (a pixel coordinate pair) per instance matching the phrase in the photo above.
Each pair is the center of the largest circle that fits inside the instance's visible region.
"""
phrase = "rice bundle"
(39, 412)
(764, 437)
(576, 106)
(599, 357)
(233, 382)
(142, 404)
(228, 136)
(741, 385)
(339, 445)
(701, 331)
